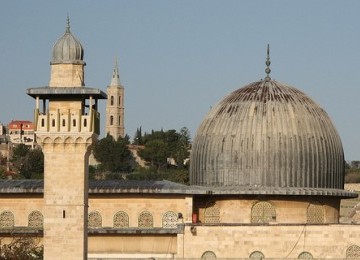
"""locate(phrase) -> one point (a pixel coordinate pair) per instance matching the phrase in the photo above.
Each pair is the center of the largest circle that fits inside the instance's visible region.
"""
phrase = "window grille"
(35, 219)
(263, 212)
(315, 213)
(94, 220)
(121, 220)
(208, 255)
(169, 220)
(145, 220)
(6, 219)
(305, 255)
(212, 213)
(257, 255)
(353, 252)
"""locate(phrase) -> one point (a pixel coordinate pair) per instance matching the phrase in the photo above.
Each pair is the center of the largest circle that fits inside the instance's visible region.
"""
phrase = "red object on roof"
(21, 124)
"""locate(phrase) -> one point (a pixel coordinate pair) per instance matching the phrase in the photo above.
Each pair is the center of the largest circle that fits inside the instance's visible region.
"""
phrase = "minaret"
(115, 106)
(65, 127)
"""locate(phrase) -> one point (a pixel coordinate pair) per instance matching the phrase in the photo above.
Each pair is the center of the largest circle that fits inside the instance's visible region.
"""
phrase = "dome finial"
(268, 62)
(67, 23)
(115, 80)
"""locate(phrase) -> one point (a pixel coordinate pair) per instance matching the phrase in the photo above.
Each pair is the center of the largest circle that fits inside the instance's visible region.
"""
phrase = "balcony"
(70, 122)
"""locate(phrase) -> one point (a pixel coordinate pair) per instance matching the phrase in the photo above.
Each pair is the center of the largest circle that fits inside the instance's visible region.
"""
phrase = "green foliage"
(29, 163)
(174, 175)
(21, 248)
(114, 156)
(138, 139)
(160, 145)
(2, 172)
(2, 160)
(352, 172)
(155, 152)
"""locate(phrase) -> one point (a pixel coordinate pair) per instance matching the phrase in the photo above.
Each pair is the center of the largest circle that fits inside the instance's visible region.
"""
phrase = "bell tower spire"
(115, 106)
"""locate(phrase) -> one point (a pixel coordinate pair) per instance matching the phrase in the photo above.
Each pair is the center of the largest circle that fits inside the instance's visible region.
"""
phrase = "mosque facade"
(267, 180)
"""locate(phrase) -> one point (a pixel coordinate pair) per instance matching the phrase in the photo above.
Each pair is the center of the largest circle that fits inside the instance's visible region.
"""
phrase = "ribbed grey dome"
(68, 49)
(267, 134)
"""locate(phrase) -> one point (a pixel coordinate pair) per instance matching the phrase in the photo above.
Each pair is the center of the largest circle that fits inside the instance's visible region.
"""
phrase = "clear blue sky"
(178, 58)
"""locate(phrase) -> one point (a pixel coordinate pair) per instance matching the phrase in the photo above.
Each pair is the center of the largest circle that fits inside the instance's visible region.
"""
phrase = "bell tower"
(66, 124)
(115, 106)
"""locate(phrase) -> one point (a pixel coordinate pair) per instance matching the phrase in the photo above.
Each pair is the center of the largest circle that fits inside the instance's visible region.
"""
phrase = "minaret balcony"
(57, 122)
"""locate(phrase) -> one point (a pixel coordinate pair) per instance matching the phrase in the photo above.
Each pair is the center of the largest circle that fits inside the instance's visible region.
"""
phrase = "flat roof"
(167, 187)
(56, 92)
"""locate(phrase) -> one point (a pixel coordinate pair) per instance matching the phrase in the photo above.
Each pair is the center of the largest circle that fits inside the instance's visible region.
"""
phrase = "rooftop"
(168, 187)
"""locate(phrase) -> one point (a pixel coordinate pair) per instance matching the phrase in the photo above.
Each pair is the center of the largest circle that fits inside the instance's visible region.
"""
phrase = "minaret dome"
(68, 49)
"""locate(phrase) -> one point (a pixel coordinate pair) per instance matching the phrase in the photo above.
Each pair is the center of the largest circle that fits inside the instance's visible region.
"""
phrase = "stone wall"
(273, 241)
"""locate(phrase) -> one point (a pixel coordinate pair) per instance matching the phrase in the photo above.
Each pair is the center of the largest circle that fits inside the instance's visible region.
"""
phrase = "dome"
(264, 135)
(67, 49)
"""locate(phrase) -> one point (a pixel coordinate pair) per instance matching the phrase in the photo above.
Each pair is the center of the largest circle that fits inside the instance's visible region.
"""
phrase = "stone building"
(115, 106)
(67, 123)
(267, 181)
(21, 132)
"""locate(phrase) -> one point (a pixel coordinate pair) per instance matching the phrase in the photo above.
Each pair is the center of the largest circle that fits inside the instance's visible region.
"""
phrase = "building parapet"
(67, 122)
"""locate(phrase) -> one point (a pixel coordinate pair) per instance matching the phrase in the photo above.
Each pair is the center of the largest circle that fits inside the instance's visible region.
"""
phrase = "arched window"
(111, 120)
(74, 122)
(111, 100)
(263, 212)
(208, 255)
(119, 101)
(315, 213)
(353, 252)
(257, 255)
(305, 255)
(85, 122)
(6, 219)
(119, 120)
(121, 220)
(53, 123)
(42, 122)
(145, 220)
(35, 219)
(212, 213)
(169, 220)
(63, 122)
(95, 220)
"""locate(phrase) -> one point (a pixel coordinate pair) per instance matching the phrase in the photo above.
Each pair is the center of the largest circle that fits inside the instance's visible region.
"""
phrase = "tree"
(114, 156)
(182, 151)
(21, 248)
(160, 145)
(155, 152)
(352, 172)
(138, 139)
(29, 163)
(174, 175)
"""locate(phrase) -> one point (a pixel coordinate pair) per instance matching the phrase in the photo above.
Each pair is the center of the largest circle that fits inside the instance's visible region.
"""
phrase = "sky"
(177, 59)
